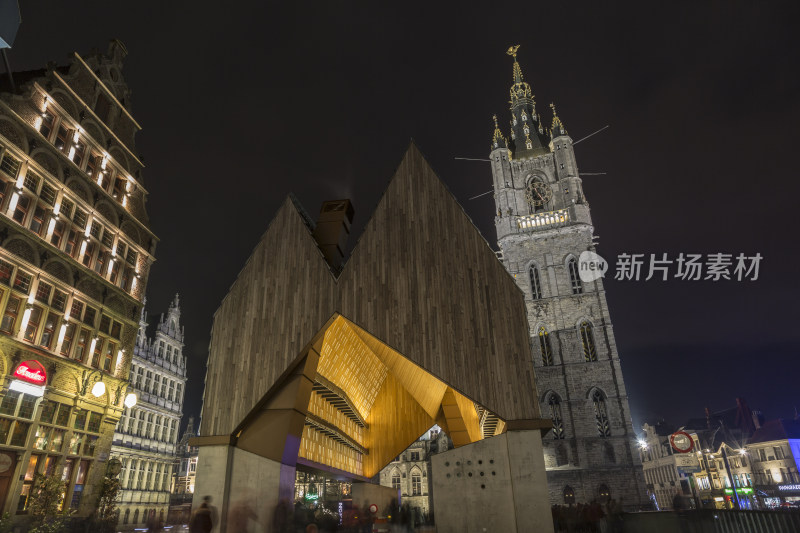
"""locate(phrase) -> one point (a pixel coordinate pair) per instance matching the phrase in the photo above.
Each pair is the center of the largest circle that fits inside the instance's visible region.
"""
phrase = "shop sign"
(793, 487)
(32, 372)
(740, 490)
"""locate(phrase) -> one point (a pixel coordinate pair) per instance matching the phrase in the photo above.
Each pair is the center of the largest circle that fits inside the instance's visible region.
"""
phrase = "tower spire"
(527, 137)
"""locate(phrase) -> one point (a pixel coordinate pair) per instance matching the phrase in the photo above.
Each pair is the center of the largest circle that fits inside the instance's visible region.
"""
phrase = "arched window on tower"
(536, 285)
(601, 413)
(587, 339)
(569, 495)
(555, 414)
(546, 347)
(605, 493)
(396, 480)
(574, 276)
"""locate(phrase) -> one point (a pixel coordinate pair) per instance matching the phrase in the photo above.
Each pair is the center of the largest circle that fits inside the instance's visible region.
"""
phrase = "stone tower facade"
(146, 438)
(543, 225)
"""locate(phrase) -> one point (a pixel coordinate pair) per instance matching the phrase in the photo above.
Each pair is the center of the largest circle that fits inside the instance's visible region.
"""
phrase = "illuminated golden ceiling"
(396, 399)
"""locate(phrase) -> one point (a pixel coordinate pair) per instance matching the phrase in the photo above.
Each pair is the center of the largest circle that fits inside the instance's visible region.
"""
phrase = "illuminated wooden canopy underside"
(395, 401)
(422, 325)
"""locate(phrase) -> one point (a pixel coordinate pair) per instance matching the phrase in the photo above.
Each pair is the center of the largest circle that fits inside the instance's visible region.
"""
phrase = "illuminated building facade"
(147, 434)
(75, 252)
(410, 472)
(543, 226)
(183, 477)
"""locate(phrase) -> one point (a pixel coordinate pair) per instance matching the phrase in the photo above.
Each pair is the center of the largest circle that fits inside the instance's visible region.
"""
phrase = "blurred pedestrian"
(202, 520)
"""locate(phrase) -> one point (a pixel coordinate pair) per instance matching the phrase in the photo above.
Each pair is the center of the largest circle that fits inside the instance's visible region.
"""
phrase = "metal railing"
(712, 521)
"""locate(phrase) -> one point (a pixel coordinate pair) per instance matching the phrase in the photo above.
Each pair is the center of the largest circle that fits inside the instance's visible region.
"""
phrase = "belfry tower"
(543, 225)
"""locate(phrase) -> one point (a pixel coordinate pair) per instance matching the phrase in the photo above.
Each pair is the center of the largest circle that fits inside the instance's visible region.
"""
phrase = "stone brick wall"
(583, 460)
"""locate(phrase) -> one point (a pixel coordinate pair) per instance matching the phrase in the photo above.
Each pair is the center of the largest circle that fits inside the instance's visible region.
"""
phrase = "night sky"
(239, 107)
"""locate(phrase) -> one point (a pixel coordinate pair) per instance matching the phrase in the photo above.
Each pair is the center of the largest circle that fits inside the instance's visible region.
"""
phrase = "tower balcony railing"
(540, 221)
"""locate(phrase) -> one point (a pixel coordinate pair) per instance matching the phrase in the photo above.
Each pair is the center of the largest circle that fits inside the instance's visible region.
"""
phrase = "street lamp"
(99, 389)
(130, 400)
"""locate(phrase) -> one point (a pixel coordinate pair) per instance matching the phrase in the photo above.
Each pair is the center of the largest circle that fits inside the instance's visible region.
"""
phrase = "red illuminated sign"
(32, 372)
(681, 442)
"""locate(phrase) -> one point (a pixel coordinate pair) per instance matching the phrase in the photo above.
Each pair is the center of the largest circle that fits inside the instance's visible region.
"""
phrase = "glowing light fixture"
(99, 389)
(130, 400)
(26, 388)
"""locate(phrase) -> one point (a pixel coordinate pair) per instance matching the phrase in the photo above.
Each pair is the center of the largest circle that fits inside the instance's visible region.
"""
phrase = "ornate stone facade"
(146, 437)
(543, 225)
(75, 252)
(410, 472)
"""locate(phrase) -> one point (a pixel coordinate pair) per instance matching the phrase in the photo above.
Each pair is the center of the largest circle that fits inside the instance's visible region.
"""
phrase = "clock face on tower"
(538, 193)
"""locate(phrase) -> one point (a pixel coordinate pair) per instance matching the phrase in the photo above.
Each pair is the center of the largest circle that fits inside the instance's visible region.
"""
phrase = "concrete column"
(495, 484)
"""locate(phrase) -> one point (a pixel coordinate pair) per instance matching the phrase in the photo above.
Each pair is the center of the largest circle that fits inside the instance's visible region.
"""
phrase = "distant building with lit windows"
(75, 252)
(410, 472)
(147, 434)
(183, 477)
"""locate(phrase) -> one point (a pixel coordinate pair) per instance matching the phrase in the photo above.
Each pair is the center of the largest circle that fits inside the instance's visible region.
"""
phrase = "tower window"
(555, 414)
(601, 414)
(569, 495)
(587, 339)
(574, 277)
(536, 285)
(547, 349)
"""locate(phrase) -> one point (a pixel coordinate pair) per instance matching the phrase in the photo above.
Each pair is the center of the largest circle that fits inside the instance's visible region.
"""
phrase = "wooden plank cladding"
(422, 316)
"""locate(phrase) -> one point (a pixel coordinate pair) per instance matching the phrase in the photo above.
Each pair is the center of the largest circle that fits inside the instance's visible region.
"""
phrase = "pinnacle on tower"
(498, 141)
(557, 128)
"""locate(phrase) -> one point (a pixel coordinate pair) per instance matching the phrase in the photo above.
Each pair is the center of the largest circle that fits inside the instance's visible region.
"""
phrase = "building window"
(587, 339)
(536, 285)
(569, 495)
(48, 334)
(61, 142)
(37, 222)
(10, 315)
(33, 324)
(555, 414)
(396, 480)
(58, 234)
(601, 414)
(48, 194)
(80, 480)
(416, 483)
(48, 124)
(415, 456)
(22, 282)
(5, 273)
(545, 346)
(81, 345)
(574, 276)
(605, 493)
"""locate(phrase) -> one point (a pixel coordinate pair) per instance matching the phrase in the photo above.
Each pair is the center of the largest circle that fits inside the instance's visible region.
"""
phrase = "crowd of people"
(591, 517)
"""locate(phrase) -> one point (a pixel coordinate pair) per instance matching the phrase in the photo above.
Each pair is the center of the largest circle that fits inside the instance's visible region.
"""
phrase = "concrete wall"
(368, 493)
(253, 487)
(496, 484)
